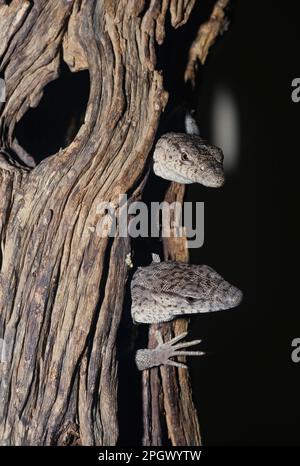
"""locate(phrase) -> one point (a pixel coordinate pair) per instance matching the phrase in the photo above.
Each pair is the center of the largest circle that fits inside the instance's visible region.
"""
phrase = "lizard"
(187, 158)
(163, 291)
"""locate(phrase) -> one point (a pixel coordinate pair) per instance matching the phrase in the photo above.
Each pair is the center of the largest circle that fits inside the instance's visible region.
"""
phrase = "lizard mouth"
(211, 178)
(216, 183)
(170, 174)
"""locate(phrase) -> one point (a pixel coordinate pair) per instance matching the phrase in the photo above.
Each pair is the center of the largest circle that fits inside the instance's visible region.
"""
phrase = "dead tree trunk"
(61, 284)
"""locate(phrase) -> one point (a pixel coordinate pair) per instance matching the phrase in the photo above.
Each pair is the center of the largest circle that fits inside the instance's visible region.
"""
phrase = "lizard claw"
(160, 355)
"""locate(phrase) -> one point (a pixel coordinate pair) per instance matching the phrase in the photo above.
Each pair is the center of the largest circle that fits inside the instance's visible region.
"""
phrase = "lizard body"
(163, 291)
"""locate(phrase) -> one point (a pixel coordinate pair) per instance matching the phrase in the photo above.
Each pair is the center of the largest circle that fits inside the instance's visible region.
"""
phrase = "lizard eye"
(190, 300)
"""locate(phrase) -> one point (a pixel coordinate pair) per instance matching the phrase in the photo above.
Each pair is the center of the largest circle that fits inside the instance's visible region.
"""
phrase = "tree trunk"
(61, 283)
(168, 389)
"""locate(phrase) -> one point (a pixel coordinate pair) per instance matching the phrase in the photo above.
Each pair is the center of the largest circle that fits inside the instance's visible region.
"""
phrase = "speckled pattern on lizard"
(187, 158)
(164, 291)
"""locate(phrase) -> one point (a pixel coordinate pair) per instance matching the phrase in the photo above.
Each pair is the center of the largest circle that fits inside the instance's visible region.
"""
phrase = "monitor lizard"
(163, 291)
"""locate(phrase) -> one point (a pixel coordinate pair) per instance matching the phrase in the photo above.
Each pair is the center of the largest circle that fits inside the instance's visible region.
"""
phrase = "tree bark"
(61, 284)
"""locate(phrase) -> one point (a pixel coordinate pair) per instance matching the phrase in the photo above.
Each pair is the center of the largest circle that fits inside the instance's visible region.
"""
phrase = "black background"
(246, 389)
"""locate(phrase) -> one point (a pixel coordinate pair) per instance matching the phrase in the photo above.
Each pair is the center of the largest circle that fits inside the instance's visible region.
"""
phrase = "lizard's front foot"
(146, 358)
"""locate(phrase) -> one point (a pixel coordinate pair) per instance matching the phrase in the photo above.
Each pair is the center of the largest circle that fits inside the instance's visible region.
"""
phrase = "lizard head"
(168, 290)
(207, 291)
(188, 159)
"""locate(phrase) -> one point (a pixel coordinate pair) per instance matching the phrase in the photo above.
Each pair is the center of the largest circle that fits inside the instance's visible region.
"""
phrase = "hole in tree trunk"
(55, 122)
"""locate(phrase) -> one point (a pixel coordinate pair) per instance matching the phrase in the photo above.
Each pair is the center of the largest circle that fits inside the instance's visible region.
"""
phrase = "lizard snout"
(217, 181)
(234, 297)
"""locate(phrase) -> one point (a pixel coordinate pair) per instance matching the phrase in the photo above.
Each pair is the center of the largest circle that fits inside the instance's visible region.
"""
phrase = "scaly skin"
(147, 358)
(166, 290)
(163, 291)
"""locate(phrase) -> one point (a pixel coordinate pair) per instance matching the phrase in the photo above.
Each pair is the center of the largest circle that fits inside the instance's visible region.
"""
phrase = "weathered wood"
(206, 37)
(61, 283)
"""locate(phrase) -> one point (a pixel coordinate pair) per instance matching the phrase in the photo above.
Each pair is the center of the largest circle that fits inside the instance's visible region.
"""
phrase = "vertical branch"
(206, 37)
(173, 384)
(180, 413)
